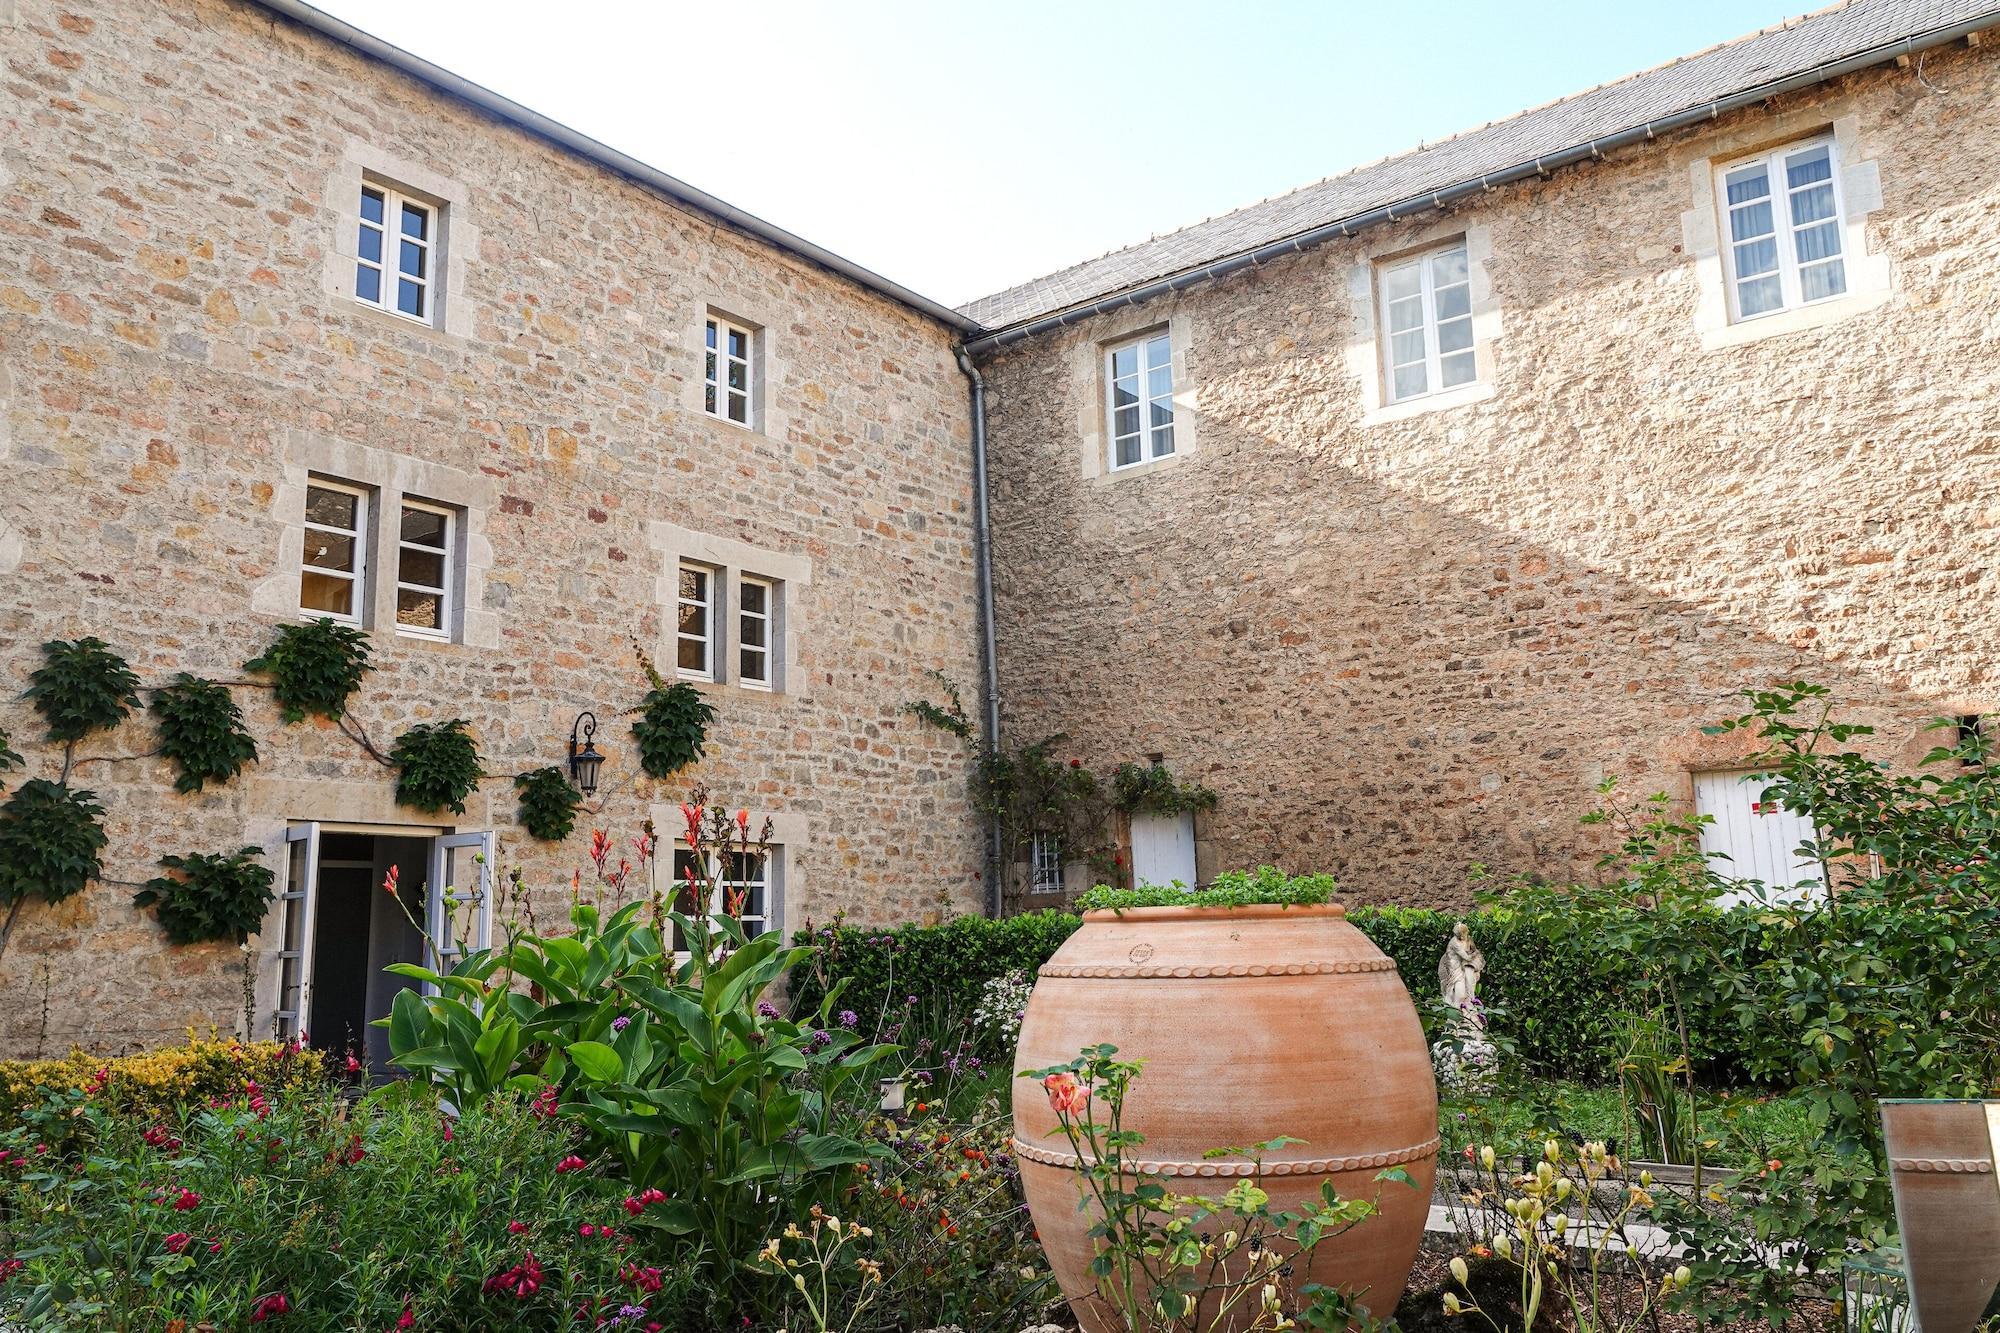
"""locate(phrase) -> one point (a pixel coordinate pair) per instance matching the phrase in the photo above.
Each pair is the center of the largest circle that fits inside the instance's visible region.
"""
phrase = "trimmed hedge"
(1565, 1018)
(160, 1082)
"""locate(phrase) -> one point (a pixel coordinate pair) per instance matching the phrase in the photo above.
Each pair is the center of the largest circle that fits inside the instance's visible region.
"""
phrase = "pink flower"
(570, 1163)
(516, 1228)
(406, 1319)
(177, 1242)
(1066, 1095)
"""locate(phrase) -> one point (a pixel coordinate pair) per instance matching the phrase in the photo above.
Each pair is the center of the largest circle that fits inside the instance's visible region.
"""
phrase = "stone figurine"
(1463, 1059)
(1460, 968)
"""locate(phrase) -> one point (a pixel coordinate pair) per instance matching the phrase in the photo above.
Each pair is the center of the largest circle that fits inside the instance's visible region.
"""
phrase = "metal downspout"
(982, 546)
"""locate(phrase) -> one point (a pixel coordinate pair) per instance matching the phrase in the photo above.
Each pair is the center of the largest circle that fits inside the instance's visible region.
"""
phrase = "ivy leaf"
(214, 897)
(50, 838)
(672, 727)
(202, 731)
(548, 804)
(317, 665)
(81, 687)
(437, 766)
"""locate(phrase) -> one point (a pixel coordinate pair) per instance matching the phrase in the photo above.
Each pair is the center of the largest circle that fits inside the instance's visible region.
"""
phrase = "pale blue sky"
(960, 148)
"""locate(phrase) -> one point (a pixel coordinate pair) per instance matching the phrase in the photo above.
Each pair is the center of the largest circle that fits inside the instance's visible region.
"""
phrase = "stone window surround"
(791, 834)
(1870, 279)
(455, 235)
(1088, 367)
(391, 477)
(1366, 357)
(731, 559)
(768, 366)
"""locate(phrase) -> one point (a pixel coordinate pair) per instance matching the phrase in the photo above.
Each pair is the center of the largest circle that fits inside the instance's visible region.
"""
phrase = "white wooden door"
(1759, 837)
(1163, 850)
(299, 899)
(459, 897)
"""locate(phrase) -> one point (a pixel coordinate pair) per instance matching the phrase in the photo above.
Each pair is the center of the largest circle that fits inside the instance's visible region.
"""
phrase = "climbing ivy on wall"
(673, 723)
(314, 668)
(202, 731)
(437, 766)
(211, 897)
(1150, 789)
(548, 804)
(81, 687)
(50, 839)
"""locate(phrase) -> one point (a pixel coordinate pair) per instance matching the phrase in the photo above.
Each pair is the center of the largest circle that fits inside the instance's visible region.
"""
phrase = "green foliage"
(358, 1216)
(1150, 789)
(316, 666)
(672, 725)
(158, 1083)
(948, 717)
(213, 897)
(437, 766)
(81, 687)
(548, 804)
(8, 757)
(50, 840)
(1232, 888)
(947, 966)
(202, 731)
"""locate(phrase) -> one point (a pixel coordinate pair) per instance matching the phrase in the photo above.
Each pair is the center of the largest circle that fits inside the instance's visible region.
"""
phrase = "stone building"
(295, 325)
(1403, 601)
(289, 329)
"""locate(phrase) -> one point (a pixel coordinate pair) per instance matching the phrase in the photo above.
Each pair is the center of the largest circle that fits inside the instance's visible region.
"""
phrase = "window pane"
(693, 655)
(1160, 382)
(750, 664)
(412, 260)
(753, 631)
(708, 399)
(1410, 380)
(371, 205)
(416, 222)
(1757, 257)
(1162, 414)
(1823, 280)
(423, 526)
(1406, 315)
(1458, 368)
(1455, 336)
(323, 592)
(708, 372)
(1821, 242)
(1814, 164)
(1128, 421)
(739, 343)
(371, 245)
(1758, 295)
(1125, 362)
(694, 620)
(1159, 352)
(424, 567)
(754, 595)
(694, 584)
(1454, 301)
(1405, 348)
(1812, 205)
(1448, 267)
(1125, 393)
(1402, 281)
(409, 297)
(368, 283)
(1755, 220)
(334, 508)
(739, 408)
(739, 375)
(419, 610)
(327, 550)
(1163, 441)
(1127, 451)
(1747, 183)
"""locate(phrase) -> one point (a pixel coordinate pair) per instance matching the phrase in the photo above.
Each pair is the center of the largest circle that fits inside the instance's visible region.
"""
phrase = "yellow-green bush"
(157, 1082)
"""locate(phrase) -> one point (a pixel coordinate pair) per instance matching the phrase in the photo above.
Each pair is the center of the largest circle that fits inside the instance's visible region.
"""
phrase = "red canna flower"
(600, 848)
(392, 880)
(743, 821)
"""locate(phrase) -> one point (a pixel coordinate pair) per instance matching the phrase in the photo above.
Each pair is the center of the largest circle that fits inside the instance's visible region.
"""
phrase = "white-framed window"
(755, 602)
(727, 371)
(1427, 320)
(334, 569)
(424, 570)
(396, 250)
(743, 890)
(1045, 864)
(696, 622)
(1139, 380)
(1782, 213)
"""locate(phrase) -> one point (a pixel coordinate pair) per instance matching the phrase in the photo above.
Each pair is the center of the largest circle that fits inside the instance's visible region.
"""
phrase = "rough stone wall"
(166, 338)
(1400, 647)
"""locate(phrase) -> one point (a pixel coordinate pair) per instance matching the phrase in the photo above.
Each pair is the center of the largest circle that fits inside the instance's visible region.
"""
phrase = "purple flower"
(765, 1009)
(620, 1023)
(848, 1018)
(909, 999)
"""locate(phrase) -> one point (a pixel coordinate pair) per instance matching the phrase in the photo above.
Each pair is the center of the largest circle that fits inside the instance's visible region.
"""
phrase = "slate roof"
(1792, 48)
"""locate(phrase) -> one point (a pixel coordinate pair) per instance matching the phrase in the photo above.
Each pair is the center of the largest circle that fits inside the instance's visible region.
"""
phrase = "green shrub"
(947, 964)
(160, 1082)
(1265, 886)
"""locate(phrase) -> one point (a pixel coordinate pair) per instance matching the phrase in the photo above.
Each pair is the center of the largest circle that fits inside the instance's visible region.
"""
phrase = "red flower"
(521, 1281)
(353, 1065)
(9, 1267)
(570, 1163)
(600, 848)
(269, 1307)
(406, 1319)
(177, 1242)
(743, 821)
(644, 1279)
(188, 1199)
(1076, 763)
(544, 1105)
(516, 1228)
(391, 880)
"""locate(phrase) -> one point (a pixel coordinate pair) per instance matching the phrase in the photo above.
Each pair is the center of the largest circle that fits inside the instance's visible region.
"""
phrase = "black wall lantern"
(584, 760)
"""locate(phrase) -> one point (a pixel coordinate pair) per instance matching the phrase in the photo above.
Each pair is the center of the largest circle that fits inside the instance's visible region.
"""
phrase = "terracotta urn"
(1254, 1022)
(1944, 1169)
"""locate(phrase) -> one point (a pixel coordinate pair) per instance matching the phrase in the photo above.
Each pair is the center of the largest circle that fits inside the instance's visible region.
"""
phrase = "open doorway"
(341, 930)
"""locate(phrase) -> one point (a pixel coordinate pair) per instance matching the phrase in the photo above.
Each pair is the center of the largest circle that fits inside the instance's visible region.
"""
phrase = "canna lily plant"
(648, 1023)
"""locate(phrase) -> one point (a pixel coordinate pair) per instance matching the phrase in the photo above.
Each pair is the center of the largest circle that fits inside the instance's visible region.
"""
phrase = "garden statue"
(1464, 1060)
(1460, 968)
